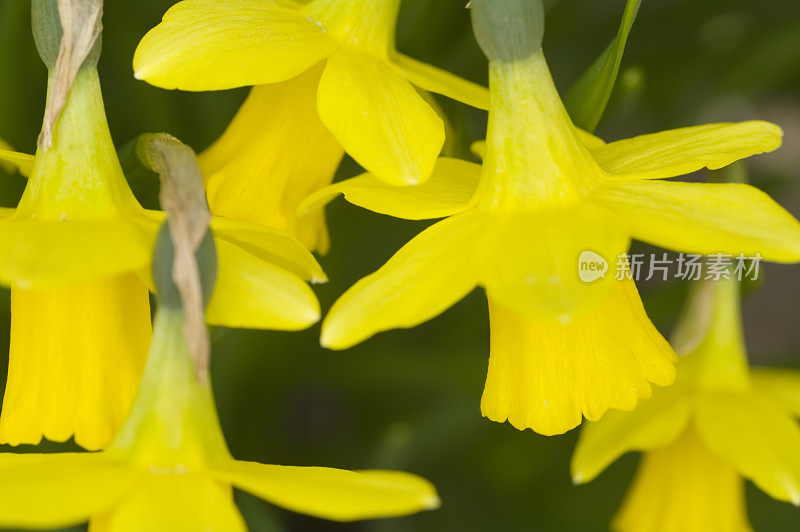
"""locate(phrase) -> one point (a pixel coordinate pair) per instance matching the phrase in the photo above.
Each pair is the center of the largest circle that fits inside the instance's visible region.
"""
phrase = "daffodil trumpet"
(169, 467)
(76, 254)
(326, 79)
(562, 348)
(275, 152)
(720, 423)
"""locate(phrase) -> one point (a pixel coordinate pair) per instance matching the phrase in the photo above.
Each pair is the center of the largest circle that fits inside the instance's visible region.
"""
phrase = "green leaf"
(587, 99)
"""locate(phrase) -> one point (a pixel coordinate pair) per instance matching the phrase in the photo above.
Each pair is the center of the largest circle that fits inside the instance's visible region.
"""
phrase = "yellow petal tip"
(328, 340)
(312, 316)
(139, 66)
(336, 338)
(794, 495)
(432, 502)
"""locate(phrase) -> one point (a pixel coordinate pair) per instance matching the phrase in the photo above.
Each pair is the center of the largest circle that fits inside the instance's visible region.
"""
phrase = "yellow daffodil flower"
(73, 253)
(327, 76)
(719, 423)
(170, 469)
(545, 194)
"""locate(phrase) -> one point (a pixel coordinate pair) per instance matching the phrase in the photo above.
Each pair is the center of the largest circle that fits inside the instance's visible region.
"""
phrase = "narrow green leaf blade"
(587, 99)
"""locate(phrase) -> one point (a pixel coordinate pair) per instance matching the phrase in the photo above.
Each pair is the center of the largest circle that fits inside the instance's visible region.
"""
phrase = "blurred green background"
(410, 399)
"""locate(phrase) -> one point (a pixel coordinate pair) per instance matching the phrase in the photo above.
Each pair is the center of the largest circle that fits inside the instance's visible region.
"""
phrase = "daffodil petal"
(545, 375)
(685, 150)
(705, 218)
(533, 259)
(781, 384)
(654, 423)
(420, 281)
(252, 293)
(51, 252)
(259, 280)
(205, 45)
(266, 243)
(11, 160)
(440, 81)
(379, 118)
(334, 494)
(756, 436)
(58, 490)
(179, 502)
(451, 140)
(449, 191)
(271, 245)
(76, 358)
(683, 487)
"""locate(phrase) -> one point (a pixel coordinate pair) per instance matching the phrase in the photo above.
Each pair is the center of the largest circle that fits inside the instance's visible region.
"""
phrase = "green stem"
(174, 421)
(534, 156)
(82, 158)
(718, 357)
